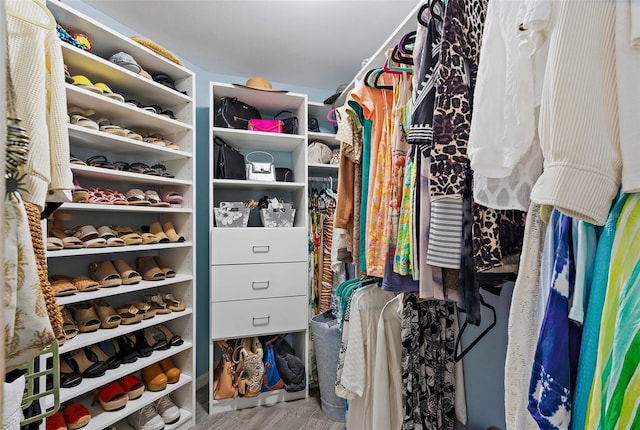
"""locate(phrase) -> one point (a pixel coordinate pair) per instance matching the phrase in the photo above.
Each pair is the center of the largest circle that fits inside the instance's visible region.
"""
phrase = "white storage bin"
(282, 217)
(231, 214)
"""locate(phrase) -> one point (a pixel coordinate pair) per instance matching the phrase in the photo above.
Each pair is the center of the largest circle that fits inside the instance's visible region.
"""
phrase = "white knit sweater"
(579, 131)
(37, 70)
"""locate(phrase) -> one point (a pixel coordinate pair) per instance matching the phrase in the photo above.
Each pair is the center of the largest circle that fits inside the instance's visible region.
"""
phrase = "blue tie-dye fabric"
(556, 358)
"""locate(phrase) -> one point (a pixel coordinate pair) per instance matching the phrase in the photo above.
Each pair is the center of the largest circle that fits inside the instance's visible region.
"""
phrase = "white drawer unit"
(258, 281)
(259, 284)
(258, 245)
(258, 317)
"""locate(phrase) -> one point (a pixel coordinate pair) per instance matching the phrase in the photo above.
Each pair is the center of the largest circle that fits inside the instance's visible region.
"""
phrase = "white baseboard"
(202, 380)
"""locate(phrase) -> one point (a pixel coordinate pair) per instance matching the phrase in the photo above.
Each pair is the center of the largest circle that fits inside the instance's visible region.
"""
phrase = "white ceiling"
(309, 43)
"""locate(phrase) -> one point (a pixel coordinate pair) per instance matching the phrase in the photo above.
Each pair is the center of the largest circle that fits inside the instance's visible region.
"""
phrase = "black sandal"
(142, 168)
(108, 348)
(123, 166)
(87, 363)
(99, 161)
(161, 170)
(174, 340)
(127, 353)
(141, 345)
(69, 374)
(156, 338)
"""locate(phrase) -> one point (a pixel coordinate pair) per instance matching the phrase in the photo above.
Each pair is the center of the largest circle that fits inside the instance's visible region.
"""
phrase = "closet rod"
(410, 23)
(320, 179)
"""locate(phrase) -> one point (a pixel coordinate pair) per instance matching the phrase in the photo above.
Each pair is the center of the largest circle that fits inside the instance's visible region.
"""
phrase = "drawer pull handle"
(260, 285)
(261, 320)
(260, 249)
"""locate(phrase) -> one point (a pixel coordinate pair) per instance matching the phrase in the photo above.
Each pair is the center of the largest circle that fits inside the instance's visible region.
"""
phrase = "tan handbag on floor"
(224, 375)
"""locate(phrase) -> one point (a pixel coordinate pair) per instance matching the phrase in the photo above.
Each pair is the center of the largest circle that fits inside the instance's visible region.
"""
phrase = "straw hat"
(261, 84)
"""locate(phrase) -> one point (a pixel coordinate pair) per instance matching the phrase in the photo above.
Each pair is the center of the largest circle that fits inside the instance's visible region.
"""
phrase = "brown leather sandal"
(130, 314)
(108, 316)
(149, 269)
(82, 283)
(69, 327)
(127, 274)
(105, 273)
(168, 272)
(170, 231)
(156, 229)
(85, 317)
(145, 310)
(62, 287)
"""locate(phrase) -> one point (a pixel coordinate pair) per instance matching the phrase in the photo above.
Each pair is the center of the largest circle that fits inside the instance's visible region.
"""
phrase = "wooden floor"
(305, 414)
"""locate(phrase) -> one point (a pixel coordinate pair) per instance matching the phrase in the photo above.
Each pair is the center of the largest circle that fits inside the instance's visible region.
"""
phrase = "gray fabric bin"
(326, 343)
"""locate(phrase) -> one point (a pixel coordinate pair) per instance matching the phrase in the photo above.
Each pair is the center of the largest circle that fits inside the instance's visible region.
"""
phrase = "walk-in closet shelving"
(179, 162)
(326, 135)
(259, 275)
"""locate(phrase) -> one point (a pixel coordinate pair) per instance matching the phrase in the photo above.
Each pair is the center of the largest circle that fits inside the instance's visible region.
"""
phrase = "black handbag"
(284, 174)
(314, 125)
(289, 125)
(228, 161)
(234, 113)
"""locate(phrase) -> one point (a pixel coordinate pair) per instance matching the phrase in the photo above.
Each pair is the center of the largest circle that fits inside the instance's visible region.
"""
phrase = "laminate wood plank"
(304, 414)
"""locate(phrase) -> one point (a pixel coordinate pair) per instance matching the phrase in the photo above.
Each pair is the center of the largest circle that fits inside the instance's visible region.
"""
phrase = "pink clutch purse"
(266, 125)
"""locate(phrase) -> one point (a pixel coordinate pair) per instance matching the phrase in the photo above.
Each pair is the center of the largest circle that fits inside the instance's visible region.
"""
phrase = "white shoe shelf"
(180, 162)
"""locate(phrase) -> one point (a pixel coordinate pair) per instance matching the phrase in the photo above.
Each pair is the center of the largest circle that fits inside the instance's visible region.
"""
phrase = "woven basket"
(55, 316)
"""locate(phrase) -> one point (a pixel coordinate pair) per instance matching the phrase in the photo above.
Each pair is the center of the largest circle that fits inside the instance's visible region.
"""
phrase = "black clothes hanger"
(375, 74)
(370, 280)
(399, 58)
(475, 341)
(420, 12)
(406, 43)
(424, 7)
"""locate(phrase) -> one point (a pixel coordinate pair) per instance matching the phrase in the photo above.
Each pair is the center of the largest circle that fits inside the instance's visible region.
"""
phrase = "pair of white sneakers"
(155, 416)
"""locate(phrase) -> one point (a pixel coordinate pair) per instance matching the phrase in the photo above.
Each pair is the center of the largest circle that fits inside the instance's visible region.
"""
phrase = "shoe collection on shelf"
(267, 266)
(121, 255)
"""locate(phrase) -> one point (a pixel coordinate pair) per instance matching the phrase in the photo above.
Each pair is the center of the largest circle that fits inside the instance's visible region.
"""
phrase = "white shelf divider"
(121, 208)
(86, 339)
(122, 289)
(117, 249)
(101, 141)
(100, 173)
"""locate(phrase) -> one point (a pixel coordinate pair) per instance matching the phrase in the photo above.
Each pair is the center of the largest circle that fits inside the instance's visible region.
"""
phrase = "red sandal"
(76, 416)
(112, 397)
(133, 386)
(97, 196)
(56, 422)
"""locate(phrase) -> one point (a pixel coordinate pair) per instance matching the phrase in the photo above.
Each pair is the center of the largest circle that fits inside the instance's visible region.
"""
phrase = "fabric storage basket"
(281, 217)
(231, 214)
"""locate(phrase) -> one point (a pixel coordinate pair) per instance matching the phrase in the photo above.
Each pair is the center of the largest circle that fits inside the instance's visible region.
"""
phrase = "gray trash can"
(326, 343)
